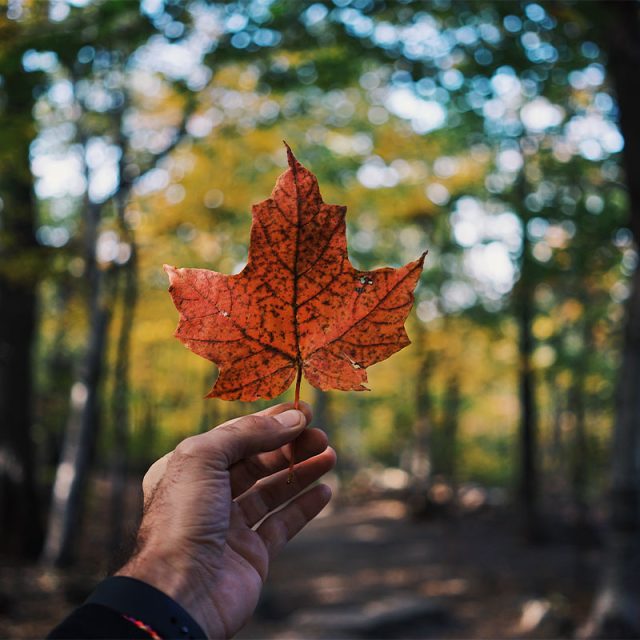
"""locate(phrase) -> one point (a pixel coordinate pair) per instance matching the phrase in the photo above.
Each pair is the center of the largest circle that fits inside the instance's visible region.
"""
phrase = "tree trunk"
(148, 431)
(82, 425)
(322, 412)
(19, 267)
(420, 462)
(210, 415)
(59, 367)
(121, 414)
(450, 423)
(616, 612)
(528, 480)
(580, 448)
(527, 485)
(18, 496)
(556, 447)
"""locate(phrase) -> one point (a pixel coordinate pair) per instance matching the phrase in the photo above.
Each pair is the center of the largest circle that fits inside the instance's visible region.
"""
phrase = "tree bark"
(420, 462)
(527, 446)
(556, 446)
(580, 448)
(528, 481)
(616, 612)
(322, 412)
(450, 423)
(121, 423)
(82, 425)
(120, 411)
(18, 495)
(19, 267)
(210, 415)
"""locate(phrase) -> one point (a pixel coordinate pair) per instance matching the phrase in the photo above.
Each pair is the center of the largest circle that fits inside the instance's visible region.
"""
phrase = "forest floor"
(367, 569)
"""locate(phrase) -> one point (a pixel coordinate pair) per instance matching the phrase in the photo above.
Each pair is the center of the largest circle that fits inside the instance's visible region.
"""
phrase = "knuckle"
(156, 471)
(146, 478)
(189, 447)
(234, 429)
(246, 425)
(147, 482)
(251, 422)
(231, 440)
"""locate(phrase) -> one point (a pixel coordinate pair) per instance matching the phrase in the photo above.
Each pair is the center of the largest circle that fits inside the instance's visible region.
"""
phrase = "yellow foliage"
(543, 327)
(571, 310)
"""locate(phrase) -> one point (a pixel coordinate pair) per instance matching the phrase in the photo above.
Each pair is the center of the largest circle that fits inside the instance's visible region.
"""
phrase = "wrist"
(156, 572)
(146, 607)
(180, 584)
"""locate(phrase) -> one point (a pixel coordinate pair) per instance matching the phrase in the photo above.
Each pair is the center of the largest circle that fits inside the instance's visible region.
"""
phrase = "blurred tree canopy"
(134, 134)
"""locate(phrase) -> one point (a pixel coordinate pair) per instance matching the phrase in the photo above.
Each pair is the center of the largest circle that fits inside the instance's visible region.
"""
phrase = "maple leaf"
(298, 306)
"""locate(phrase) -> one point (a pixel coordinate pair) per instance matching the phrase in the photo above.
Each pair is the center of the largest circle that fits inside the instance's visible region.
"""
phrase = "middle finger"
(246, 473)
(270, 493)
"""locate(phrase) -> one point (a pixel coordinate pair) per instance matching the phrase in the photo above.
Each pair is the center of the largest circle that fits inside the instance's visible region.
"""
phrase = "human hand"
(199, 541)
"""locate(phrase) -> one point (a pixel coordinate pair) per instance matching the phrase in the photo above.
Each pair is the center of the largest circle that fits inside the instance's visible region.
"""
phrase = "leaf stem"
(296, 405)
(296, 399)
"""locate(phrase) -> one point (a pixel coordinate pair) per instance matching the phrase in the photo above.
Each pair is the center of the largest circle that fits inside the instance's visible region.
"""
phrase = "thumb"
(231, 442)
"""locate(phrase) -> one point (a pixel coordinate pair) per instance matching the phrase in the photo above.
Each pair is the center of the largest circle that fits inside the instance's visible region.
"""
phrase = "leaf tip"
(171, 271)
(291, 159)
(419, 263)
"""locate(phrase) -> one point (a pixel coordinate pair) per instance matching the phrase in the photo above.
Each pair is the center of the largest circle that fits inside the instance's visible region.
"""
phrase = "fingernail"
(290, 418)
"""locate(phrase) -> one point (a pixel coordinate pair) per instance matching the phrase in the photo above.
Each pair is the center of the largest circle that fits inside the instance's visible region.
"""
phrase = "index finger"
(157, 469)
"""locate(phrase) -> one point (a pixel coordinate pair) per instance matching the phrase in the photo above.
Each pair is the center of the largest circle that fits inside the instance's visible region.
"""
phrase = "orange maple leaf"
(298, 306)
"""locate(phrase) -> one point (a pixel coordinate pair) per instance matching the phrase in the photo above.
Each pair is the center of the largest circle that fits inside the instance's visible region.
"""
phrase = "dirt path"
(369, 571)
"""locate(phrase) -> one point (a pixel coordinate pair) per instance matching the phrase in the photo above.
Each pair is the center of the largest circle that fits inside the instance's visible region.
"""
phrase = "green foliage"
(482, 131)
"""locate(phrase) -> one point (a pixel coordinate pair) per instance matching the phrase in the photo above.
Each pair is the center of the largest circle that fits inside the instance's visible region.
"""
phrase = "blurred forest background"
(501, 136)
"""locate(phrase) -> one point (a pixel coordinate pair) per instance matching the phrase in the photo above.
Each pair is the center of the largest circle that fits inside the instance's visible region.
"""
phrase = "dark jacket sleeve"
(122, 607)
(96, 621)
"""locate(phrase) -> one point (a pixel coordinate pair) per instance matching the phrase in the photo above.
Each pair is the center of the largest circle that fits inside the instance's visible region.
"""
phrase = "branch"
(180, 135)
